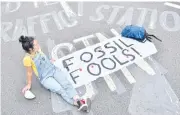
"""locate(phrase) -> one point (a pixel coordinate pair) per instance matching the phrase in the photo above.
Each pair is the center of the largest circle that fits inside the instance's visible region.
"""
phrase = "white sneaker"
(29, 95)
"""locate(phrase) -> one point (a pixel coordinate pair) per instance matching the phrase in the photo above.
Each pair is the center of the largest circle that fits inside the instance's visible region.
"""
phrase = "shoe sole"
(83, 107)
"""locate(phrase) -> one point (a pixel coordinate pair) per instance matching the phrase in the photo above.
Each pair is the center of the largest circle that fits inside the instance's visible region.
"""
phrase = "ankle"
(75, 103)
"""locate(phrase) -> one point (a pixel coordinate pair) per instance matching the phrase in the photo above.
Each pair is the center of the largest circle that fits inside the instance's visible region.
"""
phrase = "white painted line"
(115, 32)
(80, 8)
(120, 89)
(172, 5)
(128, 75)
(110, 83)
(145, 66)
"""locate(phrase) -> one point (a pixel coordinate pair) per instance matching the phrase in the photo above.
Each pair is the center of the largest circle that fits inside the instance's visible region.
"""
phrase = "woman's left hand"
(27, 87)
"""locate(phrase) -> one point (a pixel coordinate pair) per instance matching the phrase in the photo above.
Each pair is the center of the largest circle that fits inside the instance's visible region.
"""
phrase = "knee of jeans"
(53, 89)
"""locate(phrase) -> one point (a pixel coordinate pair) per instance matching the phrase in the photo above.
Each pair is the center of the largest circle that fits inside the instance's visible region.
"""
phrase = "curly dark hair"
(27, 43)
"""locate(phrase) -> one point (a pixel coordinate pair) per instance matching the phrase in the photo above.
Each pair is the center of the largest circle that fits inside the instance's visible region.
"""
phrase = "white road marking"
(80, 8)
(172, 5)
(145, 66)
(128, 75)
(67, 9)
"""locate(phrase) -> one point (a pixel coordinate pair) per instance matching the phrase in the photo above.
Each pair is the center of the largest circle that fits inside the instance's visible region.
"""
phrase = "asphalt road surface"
(160, 20)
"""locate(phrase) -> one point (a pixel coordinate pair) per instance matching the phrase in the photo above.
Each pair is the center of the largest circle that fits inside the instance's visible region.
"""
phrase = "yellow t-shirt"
(27, 61)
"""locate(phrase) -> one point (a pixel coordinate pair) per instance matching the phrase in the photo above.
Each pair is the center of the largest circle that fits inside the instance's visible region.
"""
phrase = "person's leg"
(61, 77)
(51, 84)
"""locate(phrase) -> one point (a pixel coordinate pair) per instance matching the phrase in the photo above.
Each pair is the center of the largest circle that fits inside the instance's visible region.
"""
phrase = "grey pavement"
(105, 103)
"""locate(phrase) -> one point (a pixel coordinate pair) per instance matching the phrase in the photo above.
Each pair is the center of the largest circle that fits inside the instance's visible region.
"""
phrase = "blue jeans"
(58, 83)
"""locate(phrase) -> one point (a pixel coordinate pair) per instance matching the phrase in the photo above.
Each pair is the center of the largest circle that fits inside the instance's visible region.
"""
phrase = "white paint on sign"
(96, 65)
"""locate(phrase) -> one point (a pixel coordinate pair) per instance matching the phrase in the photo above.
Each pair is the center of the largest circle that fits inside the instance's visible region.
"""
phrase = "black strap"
(149, 36)
(149, 39)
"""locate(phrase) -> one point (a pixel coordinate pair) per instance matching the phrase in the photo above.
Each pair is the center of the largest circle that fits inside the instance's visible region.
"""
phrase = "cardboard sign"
(104, 58)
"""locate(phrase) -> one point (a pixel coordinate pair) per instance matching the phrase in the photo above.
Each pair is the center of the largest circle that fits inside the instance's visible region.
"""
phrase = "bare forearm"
(29, 78)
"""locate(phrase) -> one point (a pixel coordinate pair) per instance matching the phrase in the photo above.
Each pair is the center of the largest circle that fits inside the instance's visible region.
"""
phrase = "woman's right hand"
(27, 87)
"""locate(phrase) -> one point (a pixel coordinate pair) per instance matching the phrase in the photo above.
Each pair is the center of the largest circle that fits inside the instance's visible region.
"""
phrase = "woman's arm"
(29, 75)
(29, 79)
